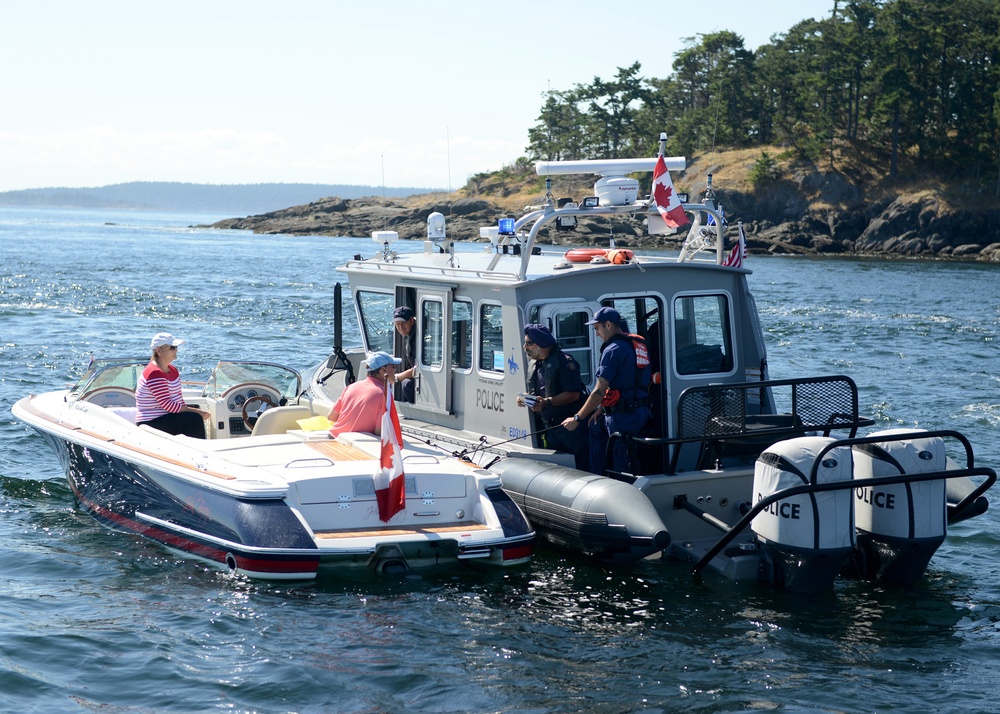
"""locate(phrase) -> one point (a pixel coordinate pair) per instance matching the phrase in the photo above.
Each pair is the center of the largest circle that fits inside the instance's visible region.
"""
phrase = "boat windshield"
(225, 375)
(110, 373)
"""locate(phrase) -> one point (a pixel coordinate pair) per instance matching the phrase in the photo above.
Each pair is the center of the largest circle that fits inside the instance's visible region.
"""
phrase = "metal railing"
(719, 416)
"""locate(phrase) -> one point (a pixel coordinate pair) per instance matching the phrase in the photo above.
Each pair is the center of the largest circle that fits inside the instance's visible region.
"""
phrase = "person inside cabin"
(622, 391)
(362, 404)
(405, 323)
(554, 380)
(158, 398)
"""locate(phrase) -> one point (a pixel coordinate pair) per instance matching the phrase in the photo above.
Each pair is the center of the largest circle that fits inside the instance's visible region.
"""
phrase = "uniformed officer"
(622, 390)
(555, 382)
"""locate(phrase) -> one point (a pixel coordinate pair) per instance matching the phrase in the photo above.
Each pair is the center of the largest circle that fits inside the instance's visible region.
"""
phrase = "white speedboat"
(266, 494)
(752, 477)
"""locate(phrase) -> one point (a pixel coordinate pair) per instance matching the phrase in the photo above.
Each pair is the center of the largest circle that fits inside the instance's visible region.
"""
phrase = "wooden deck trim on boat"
(392, 532)
(216, 474)
(125, 445)
(340, 452)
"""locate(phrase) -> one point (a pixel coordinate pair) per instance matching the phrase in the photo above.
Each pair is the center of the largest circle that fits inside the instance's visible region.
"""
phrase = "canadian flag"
(390, 481)
(664, 198)
(738, 252)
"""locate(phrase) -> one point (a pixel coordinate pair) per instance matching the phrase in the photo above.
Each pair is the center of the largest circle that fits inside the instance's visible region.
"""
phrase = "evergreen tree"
(915, 83)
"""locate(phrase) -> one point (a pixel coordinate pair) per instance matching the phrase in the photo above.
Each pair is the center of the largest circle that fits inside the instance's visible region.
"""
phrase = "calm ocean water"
(97, 621)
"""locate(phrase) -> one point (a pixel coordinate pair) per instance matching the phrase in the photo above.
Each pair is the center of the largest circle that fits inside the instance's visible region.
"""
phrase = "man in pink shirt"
(362, 404)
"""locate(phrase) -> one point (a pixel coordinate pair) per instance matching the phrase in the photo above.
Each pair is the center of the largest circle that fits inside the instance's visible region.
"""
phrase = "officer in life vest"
(554, 382)
(622, 391)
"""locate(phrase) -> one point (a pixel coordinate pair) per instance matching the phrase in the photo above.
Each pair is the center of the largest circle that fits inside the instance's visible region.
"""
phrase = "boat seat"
(110, 397)
(126, 413)
(279, 420)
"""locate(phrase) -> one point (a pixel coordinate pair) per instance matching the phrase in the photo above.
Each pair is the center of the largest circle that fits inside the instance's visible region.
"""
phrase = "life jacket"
(641, 351)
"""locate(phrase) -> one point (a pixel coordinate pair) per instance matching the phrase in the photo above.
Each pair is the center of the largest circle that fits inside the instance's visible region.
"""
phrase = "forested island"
(875, 130)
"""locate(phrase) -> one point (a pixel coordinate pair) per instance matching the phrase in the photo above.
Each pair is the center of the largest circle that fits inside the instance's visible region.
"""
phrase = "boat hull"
(256, 537)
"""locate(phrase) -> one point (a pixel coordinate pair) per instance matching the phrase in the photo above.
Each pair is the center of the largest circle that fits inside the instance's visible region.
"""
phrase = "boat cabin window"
(461, 334)
(568, 324)
(573, 335)
(491, 357)
(431, 333)
(702, 334)
(376, 319)
(642, 317)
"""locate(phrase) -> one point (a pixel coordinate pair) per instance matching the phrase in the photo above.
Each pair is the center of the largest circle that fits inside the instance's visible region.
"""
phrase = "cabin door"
(433, 381)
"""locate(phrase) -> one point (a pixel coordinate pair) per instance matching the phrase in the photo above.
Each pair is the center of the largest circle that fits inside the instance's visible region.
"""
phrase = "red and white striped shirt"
(157, 393)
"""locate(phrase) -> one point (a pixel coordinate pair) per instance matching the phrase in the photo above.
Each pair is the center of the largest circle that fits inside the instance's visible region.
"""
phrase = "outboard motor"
(805, 539)
(900, 526)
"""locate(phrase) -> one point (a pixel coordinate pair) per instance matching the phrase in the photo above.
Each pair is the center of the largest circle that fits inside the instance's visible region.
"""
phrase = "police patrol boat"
(269, 494)
(756, 478)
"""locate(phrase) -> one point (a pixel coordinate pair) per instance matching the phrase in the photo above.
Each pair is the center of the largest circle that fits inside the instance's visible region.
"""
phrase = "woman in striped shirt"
(158, 393)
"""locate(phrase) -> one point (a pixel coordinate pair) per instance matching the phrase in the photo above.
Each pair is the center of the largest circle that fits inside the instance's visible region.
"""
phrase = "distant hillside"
(786, 203)
(232, 199)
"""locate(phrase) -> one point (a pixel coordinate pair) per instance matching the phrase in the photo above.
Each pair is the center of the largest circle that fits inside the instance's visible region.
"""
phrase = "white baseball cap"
(164, 339)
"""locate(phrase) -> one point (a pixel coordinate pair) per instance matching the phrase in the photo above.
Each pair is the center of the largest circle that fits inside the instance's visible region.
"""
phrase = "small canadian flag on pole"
(666, 201)
(390, 481)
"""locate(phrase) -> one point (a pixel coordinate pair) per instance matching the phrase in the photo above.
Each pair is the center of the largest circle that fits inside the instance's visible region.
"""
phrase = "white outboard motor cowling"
(900, 526)
(805, 539)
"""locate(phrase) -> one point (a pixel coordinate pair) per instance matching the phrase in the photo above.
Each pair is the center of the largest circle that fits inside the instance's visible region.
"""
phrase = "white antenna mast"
(447, 138)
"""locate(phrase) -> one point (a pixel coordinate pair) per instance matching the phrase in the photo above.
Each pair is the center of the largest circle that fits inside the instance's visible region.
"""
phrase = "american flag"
(738, 252)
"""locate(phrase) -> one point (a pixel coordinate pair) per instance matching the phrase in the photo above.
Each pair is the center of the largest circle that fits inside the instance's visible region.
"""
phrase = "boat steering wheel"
(249, 420)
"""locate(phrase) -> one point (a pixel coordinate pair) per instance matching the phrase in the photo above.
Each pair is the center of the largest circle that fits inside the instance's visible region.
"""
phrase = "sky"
(415, 94)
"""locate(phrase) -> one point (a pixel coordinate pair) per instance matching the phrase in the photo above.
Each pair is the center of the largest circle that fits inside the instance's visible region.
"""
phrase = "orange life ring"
(583, 255)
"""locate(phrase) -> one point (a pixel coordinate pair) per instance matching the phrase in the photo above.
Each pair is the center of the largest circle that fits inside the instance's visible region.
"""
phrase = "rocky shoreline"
(806, 211)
